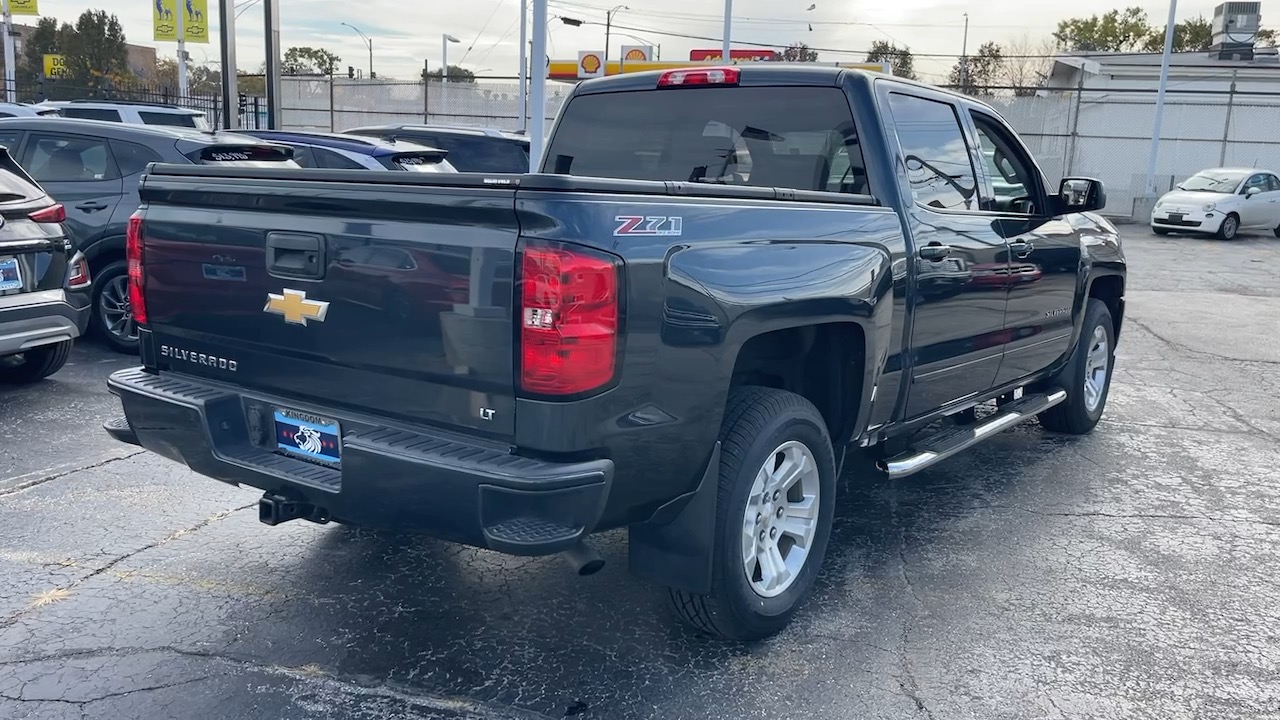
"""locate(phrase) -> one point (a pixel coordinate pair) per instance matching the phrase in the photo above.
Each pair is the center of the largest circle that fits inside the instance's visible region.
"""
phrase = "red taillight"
(137, 280)
(700, 76)
(78, 275)
(569, 321)
(52, 214)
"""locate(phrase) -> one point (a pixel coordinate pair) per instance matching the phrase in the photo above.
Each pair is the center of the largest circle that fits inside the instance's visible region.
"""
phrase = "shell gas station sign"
(639, 58)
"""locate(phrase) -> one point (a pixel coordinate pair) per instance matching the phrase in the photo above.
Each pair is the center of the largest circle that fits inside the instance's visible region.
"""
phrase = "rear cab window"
(801, 138)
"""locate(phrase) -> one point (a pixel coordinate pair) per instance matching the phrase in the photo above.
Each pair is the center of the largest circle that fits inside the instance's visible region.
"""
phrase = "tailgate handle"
(295, 255)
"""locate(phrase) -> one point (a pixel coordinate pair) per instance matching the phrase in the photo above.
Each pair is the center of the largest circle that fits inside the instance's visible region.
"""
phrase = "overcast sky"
(407, 32)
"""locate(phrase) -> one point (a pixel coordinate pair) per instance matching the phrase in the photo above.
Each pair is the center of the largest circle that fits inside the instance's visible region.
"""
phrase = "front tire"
(1230, 227)
(1087, 376)
(35, 364)
(1159, 231)
(774, 507)
(112, 313)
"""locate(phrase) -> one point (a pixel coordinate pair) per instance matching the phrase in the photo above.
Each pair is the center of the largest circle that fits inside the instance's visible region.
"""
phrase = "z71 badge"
(649, 225)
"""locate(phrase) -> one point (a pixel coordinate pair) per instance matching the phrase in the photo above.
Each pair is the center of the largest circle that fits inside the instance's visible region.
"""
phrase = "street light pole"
(367, 41)
(608, 25)
(538, 87)
(1150, 187)
(524, 65)
(728, 25)
(444, 55)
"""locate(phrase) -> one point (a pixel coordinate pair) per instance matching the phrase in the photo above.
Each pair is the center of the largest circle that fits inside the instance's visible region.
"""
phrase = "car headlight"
(1160, 203)
(1210, 206)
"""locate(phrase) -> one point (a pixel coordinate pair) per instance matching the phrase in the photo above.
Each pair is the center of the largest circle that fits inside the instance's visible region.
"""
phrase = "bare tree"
(1027, 63)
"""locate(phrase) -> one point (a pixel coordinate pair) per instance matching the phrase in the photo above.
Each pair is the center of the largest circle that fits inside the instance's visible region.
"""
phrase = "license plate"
(10, 274)
(1176, 217)
(308, 436)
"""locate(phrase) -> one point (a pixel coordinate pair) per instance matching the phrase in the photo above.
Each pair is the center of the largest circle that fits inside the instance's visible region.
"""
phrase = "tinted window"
(10, 138)
(91, 114)
(68, 158)
(1014, 182)
(171, 119)
(304, 157)
(480, 154)
(1275, 182)
(937, 158)
(772, 137)
(133, 158)
(6, 114)
(335, 161)
(15, 184)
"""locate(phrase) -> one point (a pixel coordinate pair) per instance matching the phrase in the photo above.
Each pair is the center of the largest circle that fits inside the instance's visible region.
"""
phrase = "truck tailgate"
(392, 298)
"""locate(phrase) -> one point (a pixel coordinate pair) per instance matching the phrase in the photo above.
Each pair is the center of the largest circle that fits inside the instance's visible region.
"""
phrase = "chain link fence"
(337, 103)
(1107, 135)
(1096, 133)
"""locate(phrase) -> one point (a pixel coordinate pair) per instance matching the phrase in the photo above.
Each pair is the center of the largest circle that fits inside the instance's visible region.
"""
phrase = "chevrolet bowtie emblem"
(294, 306)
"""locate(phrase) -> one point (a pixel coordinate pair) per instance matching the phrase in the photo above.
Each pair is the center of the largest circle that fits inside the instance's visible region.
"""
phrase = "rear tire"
(112, 318)
(1230, 227)
(770, 440)
(35, 364)
(1087, 376)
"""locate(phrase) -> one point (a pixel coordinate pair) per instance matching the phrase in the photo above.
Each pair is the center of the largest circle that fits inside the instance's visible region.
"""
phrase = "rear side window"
(92, 114)
(790, 137)
(133, 158)
(68, 158)
(264, 156)
(480, 154)
(170, 119)
(937, 157)
(10, 138)
(336, 161)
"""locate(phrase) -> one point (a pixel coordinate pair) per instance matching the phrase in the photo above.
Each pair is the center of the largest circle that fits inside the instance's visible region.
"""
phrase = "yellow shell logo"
(591, 64)
(636, 54)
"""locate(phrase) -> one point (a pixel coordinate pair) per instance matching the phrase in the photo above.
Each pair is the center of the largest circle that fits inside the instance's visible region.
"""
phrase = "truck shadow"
(457, 621)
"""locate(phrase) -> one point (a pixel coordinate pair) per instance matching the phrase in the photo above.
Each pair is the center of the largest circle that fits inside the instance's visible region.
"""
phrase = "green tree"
(1114, 31)
(799, 52)
(899, 58)
(456, 74)
(48, 38)
(201, 79)
(978, 74)
(1194, 35)
(310, 61)
(95, 49)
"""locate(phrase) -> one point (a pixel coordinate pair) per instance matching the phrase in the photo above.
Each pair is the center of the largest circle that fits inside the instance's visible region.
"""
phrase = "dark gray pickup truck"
(722, 281)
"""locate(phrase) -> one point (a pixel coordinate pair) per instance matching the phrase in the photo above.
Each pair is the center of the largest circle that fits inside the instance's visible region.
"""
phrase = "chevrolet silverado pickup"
(722, 281)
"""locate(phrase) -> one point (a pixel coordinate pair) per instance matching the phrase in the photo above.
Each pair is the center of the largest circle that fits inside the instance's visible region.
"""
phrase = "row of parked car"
(69, 184)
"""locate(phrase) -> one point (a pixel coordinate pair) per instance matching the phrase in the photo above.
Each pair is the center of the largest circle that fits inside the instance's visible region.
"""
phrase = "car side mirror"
(1252, 191)
(1082, 195)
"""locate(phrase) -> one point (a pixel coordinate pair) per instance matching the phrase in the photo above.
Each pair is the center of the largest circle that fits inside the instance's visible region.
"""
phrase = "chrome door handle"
(1021, 248)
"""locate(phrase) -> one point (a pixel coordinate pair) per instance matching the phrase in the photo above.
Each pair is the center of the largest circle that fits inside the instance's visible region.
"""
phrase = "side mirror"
(1082, 195)
(1252, 191)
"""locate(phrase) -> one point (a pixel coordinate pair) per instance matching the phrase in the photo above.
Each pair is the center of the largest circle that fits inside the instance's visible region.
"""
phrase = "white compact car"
(1222, 202)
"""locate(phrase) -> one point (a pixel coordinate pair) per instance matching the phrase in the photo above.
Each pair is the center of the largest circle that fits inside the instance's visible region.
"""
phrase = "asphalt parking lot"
(1128, 574)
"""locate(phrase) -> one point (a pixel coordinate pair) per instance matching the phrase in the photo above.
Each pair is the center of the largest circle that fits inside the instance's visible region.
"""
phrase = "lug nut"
(759, 517)
(762, 534)
(773, 532)
(779, 513)
(776, 495)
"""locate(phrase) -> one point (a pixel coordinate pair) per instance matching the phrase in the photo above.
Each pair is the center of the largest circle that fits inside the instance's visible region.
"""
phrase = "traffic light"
(351, 71)
(244, 103)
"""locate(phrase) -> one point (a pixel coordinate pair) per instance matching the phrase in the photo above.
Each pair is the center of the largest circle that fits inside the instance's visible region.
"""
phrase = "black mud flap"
(675, 547)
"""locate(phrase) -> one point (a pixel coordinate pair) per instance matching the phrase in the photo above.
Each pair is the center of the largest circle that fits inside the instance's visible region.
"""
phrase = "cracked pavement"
(1127, 574)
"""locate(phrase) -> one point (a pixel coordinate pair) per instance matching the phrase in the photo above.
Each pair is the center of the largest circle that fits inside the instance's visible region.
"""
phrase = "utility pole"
(538, 88)
(182, 50)
(608, 25)
(10, 77)
(728, 24)
(524, 65)
(1150, 187)
(230, 93)
(964, 56)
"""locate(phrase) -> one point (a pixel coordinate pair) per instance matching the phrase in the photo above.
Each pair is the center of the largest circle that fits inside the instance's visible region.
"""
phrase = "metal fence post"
(332, 114)
(1074, 137)
(1226, 126)
(426, 87)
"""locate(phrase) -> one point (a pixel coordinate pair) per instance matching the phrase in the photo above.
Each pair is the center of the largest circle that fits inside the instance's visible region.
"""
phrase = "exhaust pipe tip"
(583, 559)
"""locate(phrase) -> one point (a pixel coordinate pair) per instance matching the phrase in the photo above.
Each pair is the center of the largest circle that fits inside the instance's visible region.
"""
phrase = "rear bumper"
(41, 318)
(391, 478)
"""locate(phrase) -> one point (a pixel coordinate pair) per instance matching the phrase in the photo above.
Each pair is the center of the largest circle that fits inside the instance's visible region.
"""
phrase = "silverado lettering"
(506, 372)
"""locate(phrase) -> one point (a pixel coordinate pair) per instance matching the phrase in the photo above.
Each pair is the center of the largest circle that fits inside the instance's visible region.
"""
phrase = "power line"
(717, 19)
(484, 27)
